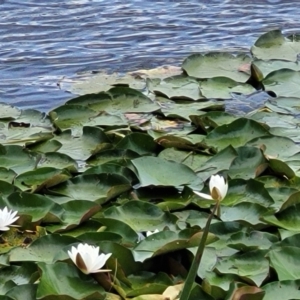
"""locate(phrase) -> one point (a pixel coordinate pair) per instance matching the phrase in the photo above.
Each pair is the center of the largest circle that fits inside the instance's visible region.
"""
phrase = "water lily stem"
(187, 288)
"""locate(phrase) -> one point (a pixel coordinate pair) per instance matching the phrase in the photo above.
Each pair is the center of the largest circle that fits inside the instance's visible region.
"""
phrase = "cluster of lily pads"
(108, 188)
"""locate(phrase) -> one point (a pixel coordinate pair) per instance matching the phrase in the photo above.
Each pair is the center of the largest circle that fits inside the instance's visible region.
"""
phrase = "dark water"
(43, 41)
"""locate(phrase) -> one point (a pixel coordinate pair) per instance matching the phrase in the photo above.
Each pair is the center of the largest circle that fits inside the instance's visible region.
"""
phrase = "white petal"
(3, 228)
(101, 261)
(218, 182)
(148, 233)
(202, 195)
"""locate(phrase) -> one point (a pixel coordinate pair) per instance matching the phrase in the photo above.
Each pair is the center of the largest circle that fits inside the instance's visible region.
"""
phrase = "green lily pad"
(251, 266)
(288, 218)
(223, 87)
(176, 87)
(17, 158)
(268, 66)
(41, 250)
(273, 45)
(92, 141)
(284, 105)
(70, 283)
(236, 134)
(278, 290)
(285, 260)
(93, 187)
(117, 100)
(9, 112)
(41, 178)
(138, 142)
(76, 212)
(159, 172)
(24, 291)
(284, 83)
(142, 216)
(215, 64)
(33, 205)
(168, 241)
(250, 213)
(276, 147)
(250, 163)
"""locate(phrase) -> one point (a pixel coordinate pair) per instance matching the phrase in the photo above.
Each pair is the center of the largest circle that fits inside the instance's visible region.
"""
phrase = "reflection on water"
(42, 42)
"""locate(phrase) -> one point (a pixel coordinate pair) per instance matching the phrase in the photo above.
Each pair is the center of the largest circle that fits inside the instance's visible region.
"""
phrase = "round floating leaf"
(112, 168)
(288, 218)
(18, 274)
(251, 191)
(117, 100)
(278, 290)
(148, 283)
(222, 87)
(284, 105)
(141, 216)
(102, 82)
(219, 162)
(119, 227)
(76, 212)
(251, 266)
(276, 146)
(215, 64)
(138, 142)
(273, 45)
(176, 87)
(8, 112)
(285, 261)
(41, 178)
(34, 205)
(160, 172)
(250, 163)
(280, 168)
(92, 141)
(184, 110)
(24, 291)
(58, 161)
(255, 240)
(68, 116)
(250, 213)
(190, 159)
(168, 241)
(7, 175)
(41, 250)
(237, 133)
(17, 158)
(284, 83)
(93, 187)
(60, 280)
(268, 66)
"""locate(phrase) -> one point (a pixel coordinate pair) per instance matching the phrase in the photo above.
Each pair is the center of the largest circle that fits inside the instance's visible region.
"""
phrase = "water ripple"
(42, 42)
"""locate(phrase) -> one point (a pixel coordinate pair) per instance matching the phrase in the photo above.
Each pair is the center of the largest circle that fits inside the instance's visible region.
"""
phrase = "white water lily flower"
(7, 218)
(218, 188)
(148, 233)
(87, 258)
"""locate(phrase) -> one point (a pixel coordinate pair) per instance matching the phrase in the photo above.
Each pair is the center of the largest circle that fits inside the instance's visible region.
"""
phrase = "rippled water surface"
(43, 41)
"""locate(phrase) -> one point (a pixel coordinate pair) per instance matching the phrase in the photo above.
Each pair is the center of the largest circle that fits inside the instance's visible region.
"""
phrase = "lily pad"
(177, 87)
(273, 45)
(215, 64)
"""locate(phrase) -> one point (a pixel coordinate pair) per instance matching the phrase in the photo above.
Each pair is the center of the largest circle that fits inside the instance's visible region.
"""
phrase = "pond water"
(43, 41)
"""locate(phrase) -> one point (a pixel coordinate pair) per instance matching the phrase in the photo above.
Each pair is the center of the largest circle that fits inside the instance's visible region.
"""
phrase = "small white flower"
(148, 233)
(87, 258)
(7, 218)
(218, 188)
